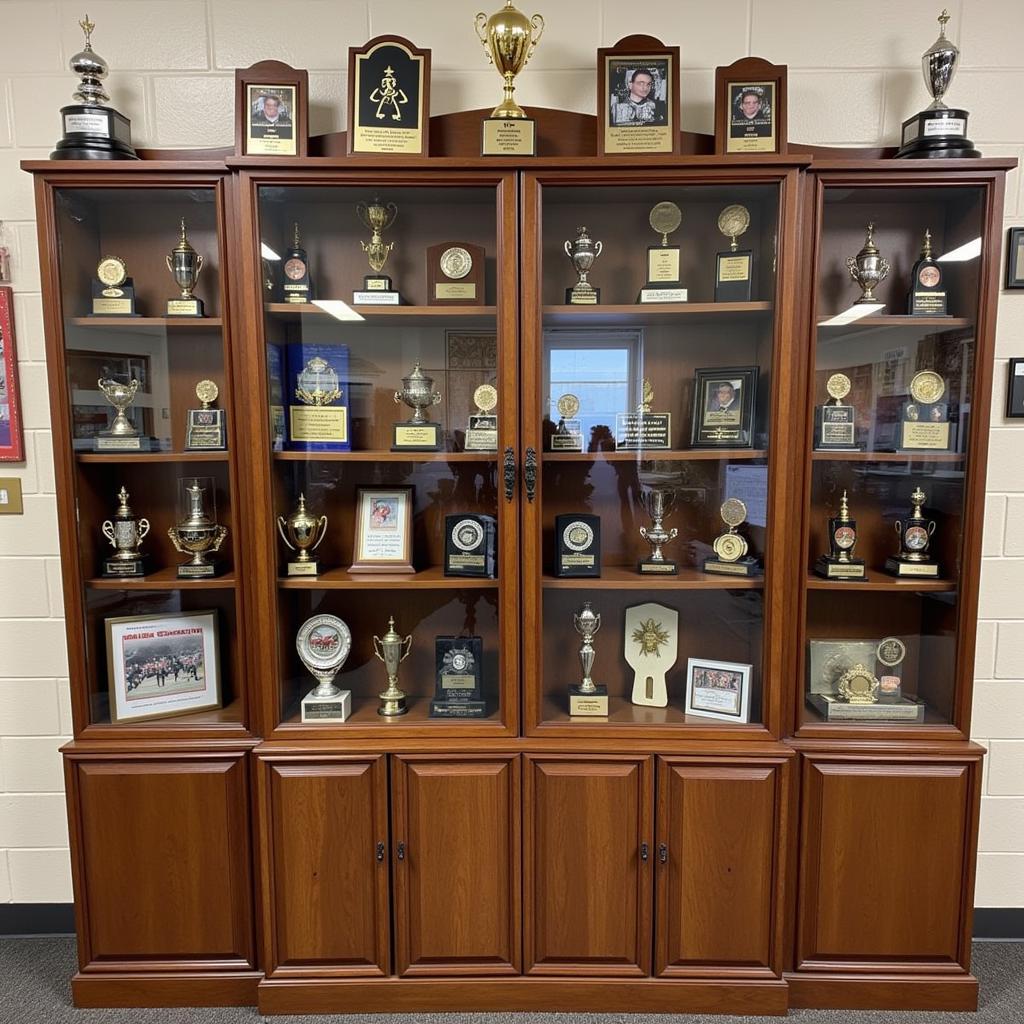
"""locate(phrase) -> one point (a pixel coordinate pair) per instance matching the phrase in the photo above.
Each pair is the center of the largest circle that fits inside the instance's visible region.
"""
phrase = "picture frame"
(638, 97)
(383, 530)
(389, 82)
(751, 112)
(1015, 258)
(1014, 391)
(162, 666)
(718, 689)
(286, 133)
(12, 435)
(724, 401)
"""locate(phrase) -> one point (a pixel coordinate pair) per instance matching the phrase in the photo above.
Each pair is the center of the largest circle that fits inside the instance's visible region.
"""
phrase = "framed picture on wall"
(12, 439)
(1015, 258)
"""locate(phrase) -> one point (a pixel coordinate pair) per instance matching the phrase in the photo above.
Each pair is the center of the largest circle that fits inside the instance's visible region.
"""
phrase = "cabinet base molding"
(198, 988)
(441, 995)
(882, 992)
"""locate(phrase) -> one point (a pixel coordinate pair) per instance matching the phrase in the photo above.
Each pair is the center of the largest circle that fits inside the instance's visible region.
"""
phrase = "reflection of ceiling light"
(970, 251)
(338, 309)
(267, 253)
(855, 312)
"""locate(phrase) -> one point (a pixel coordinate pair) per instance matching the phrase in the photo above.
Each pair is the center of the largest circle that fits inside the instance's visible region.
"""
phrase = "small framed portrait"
(718, 689)
(383, 530)
(1015, 258)
(750, 101)
(162, 665)
(12, 438)
(271, 110)
(1015, 390)
(389, 99)
(638, 93)
(723, 407)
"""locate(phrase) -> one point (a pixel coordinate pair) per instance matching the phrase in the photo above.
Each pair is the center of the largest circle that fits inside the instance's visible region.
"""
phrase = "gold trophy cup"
(389, 649)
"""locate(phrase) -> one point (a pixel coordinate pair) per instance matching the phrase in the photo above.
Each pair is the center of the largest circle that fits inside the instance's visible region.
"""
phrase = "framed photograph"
(750, 107)
(723, 407)
(718, 689)
(1015, 258)
(12, 438)
(271, 110)
(638, 97)
(383, 530)
(162, 665)
(1014, 392)
(389, 97)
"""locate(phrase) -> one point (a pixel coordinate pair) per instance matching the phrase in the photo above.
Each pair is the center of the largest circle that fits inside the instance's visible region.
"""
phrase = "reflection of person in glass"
(269, 111)
(640, 105)
(724, 402)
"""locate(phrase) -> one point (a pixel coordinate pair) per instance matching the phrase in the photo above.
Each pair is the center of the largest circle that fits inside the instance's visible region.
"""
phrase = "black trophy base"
(568, 442)
(94, 133)
(416, 437)
(923, 570)
(205, 571)
(458, 709)
(580, 297)
(733, 275)
(835, 429)
(832, 569)
(110, 444)
(376, 291)
(186, 307)
(588, 705)
(937, 134)
(297, 296)
(126, 568)
(746, 567)
(647, 567)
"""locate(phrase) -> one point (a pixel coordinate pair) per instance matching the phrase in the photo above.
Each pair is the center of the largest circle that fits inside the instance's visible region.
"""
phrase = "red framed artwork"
(12, 441)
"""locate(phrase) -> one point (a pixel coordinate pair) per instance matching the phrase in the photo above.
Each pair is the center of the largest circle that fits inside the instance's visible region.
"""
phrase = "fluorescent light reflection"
(856, 312)
(338, 309)
(970, 251)
(267, 253)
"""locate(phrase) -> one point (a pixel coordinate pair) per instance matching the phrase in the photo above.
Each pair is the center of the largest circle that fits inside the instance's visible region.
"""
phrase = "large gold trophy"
(509, 39)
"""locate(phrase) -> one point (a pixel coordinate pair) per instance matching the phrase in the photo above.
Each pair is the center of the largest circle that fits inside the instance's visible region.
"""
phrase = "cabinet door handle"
(530, 473)
(643, 852)
(401, 851)
(510, 473)
(663, 853)
(380, 852)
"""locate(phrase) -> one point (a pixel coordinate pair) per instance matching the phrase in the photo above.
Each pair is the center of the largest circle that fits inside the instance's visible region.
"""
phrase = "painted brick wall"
(853, 77)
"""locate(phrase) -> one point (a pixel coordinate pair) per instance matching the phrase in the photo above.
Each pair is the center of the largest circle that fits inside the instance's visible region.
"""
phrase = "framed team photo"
(718, 689)
(162, 665)
(12, 439)
(750, 107)
(383, 530)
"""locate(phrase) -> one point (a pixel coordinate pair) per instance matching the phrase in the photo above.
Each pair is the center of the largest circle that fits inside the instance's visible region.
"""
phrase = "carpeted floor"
(34, 989)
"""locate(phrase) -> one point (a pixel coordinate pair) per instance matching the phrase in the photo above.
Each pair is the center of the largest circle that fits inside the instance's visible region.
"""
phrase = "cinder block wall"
(853, 76)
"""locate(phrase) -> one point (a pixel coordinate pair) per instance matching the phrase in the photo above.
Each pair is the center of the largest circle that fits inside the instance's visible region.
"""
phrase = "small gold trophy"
(389, 649)
(582, 252)
(302, 532)
(120, 436)
(185, 263)
(587, 697)
(113, 291)
(868, 268)
(663, 283)
(568, 435)
(482, 432)
(378, 217)
(731, 549)
(509, 39)
(835, 426)
(925, 424)
(733, 273)
(206, 429)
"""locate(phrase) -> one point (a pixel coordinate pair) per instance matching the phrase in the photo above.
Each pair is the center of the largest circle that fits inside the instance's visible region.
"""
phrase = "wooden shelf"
(621, 577)
(211, 719)
(151, 456)
(658, 454)
(163, 579)
(878, 581)
(621, 711)
(149, 323)
(298, 310)
(426, 579)
(952, 322)
(914, 457)
(364, 714)
(379, 456)
(651, 312)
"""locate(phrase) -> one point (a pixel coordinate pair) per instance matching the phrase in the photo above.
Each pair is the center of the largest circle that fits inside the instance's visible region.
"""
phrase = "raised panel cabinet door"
(164, 861)
(884, 848)
(328, 866)
(587, 884)
(457, 864)
(716, 841)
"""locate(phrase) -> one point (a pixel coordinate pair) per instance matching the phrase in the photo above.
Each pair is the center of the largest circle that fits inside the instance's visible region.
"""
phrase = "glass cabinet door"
(650, 399)
(389, 332)
(897, 298)
(148, 431)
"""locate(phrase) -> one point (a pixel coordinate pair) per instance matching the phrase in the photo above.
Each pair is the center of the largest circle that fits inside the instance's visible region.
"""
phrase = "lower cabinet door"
(161, 856)
(587, 877)
(456, 864)
(716, 852)
(886, 873)
(325, 841)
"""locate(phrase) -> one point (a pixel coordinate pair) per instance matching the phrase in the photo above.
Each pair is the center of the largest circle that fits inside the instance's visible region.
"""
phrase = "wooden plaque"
(271, 110)
(12, 439)
(449, 282)
(750, 107)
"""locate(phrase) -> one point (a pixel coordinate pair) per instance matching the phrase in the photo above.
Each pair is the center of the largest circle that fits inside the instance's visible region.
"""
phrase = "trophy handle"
(435, 398)
(222, 532)
(480, 25)
(568, 248)
(170, 267)
(598, 247)
(280, 530)
(108, 531)
(398, 398)
(322, 524)
(361, 214)
(851, 266)
(392, 217)
(173, 534)
(931, 527)
(537, 24)
(899, 527)
(199, 268)
(883, 266)
(376, 647)
(643, 532)
(142, 527)
(407, 642)
(673, 533)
